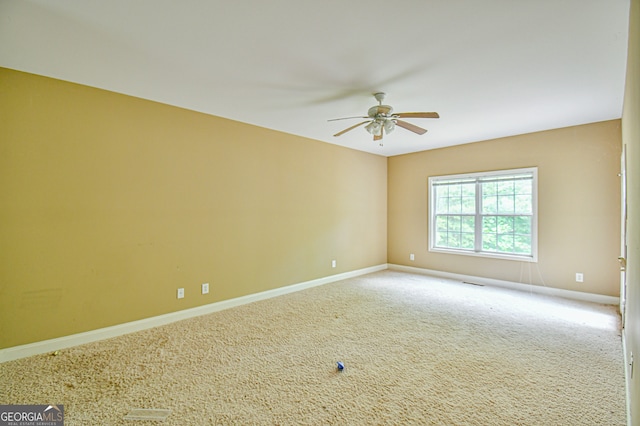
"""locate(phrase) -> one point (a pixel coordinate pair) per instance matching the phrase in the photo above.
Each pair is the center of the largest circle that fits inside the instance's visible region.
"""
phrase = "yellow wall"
(631, 139)
(578, 206)
(109, 203)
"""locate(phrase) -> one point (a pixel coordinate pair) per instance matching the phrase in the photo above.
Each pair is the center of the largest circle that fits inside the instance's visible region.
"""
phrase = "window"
(485, 214)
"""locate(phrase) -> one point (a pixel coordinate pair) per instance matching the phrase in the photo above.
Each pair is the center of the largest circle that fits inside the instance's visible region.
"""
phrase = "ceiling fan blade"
(347, 118)
(351, 128)
(418, 115)
(411, 127)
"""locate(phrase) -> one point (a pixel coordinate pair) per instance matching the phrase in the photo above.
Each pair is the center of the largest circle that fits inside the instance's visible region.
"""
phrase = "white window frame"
(477, 251)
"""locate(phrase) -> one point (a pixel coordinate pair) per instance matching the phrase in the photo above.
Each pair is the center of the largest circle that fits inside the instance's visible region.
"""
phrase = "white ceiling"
(491, 68)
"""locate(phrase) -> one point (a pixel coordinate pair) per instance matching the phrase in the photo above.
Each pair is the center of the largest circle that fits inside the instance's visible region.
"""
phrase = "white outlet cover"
(205, 288)
(180, 293)
(333, 263)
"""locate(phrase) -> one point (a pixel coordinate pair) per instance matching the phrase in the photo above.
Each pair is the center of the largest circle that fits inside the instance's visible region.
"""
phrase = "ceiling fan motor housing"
(380, 111)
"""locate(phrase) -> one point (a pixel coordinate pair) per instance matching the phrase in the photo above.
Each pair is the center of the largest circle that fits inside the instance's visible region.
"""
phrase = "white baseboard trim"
(549, 291)
(52, 345)
(627, 379)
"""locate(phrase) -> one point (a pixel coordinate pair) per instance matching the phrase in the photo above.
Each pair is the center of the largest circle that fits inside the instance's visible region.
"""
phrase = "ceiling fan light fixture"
(375, 128)
(389, 126)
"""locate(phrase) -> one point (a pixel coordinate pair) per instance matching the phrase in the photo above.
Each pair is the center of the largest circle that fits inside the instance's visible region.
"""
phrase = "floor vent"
(467, 282)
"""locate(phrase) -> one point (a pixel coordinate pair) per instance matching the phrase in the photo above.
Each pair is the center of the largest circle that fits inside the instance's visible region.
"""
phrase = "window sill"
(501, 256)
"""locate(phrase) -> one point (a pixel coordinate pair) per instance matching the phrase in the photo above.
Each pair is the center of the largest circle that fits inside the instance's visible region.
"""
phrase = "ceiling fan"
(381, 119)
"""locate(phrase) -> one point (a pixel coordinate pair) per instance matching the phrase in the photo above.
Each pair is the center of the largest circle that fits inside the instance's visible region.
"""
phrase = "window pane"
(523, 204)
(468, 224)
(490, 224)
(505, 243)
(468, 205)
(455, 205)
(522, 225)
(505, 188)
(506, 204)
(469, 190)
(454, 223)
(467, 240)
(454, 240)
(505, 225)
(441, 223)
(522, 244)
(489, 204)
(489, 242)
(523, 187)
(490, 188)
(442, 205)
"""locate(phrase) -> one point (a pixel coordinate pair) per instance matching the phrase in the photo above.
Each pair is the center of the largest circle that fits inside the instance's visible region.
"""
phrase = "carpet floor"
(416, 350)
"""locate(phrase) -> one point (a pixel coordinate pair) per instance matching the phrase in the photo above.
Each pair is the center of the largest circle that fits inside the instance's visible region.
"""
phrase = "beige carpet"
(416, 350)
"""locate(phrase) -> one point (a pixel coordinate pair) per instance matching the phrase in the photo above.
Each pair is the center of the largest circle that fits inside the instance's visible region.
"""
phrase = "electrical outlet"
(333, 263)
(180, 293)
(205, 288)
(412, 256)
(579, 277)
